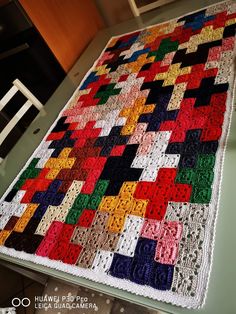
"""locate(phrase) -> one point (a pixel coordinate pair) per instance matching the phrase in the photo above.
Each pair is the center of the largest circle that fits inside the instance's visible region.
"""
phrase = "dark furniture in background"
(23, 55)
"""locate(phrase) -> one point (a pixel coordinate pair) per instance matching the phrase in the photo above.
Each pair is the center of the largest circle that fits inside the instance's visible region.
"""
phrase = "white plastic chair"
(137, 10)
(31, 101)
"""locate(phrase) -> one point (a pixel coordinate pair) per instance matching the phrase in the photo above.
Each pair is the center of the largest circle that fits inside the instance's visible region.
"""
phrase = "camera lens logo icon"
(16, 302)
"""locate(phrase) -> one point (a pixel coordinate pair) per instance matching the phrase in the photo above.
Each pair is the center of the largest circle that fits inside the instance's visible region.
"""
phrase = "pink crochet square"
(171, 231)
(168, 58)
(228, 43)
(167, 252)
(151, 229)
(214, 54)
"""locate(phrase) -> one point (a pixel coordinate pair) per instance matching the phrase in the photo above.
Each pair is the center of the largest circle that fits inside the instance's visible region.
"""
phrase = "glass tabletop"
(221, 290)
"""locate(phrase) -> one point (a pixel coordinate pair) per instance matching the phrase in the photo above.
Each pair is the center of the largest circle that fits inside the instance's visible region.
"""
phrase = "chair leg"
(134, 8)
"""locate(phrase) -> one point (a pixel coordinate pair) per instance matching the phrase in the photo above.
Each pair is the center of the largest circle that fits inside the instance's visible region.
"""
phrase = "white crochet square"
(102, 261)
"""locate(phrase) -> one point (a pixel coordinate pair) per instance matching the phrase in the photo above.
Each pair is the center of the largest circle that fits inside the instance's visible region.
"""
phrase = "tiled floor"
(99, 302)
(15, 285)
(87, 301)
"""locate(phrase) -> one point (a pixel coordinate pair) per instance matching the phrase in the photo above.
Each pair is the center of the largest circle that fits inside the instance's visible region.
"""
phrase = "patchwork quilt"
(124, 188)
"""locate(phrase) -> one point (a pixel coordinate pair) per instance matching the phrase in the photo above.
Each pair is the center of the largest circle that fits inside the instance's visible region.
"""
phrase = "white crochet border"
(204, 272)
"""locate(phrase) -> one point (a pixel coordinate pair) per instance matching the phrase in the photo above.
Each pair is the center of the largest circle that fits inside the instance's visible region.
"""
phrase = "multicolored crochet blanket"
(124, 188)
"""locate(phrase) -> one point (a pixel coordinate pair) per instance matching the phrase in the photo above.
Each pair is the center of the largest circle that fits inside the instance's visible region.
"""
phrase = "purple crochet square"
(141, 271)
(145, 248)
(121, 266)
(162, 276)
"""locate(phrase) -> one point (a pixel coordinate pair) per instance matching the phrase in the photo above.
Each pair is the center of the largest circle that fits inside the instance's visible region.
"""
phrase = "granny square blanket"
(124, 188)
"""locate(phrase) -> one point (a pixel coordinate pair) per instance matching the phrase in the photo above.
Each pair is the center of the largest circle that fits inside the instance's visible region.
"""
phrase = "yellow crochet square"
(115, 223)
(108, 203)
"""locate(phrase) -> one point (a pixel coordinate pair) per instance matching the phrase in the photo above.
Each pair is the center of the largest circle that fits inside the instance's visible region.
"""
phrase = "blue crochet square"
(141, 271)
(120, 266)
(161, 277)
(145, 248)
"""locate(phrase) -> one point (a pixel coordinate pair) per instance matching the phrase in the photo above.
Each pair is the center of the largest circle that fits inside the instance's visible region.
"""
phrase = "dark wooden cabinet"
(67, 26)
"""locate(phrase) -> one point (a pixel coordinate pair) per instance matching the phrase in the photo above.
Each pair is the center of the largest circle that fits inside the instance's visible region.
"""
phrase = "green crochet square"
(35, 172)
(26, 174)
(81, 201)
(30, 173)
(186, 176)
(206, 161)
(201, 195)
(19, 184)
(165, 46)
(101, 187)
(204, 178)
(73, 216)
(33, 163)
(94, 201)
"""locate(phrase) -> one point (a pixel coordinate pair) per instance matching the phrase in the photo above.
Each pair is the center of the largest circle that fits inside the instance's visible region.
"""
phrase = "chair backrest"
(31, 100)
